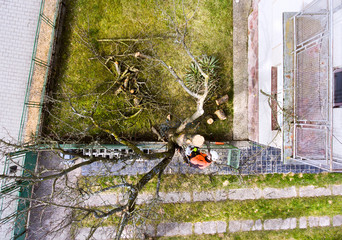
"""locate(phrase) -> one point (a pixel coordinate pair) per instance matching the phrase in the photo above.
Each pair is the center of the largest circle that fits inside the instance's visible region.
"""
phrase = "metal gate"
(308, 85)
(312, 110)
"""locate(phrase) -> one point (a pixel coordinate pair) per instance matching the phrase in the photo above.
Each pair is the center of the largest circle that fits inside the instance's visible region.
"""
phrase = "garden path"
(240, 194)
(217, 227)
(170, 229)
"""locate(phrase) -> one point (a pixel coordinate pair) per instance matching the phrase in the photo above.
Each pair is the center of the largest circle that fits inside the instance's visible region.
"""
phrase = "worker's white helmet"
(214, 156)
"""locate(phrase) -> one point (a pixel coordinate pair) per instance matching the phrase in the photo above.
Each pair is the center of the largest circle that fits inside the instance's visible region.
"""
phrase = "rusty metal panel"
(311, 142)
(312, 81)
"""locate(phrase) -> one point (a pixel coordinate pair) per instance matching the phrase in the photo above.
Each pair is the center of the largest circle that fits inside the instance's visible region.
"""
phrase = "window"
(338, 88)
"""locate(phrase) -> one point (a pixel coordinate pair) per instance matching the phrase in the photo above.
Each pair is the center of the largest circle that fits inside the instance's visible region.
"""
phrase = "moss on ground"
(327, 233)
(197, 182)
(236, 210)
(251, 209)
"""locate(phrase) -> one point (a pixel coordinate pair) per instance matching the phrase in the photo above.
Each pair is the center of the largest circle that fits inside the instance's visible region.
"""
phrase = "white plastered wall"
(271, 54)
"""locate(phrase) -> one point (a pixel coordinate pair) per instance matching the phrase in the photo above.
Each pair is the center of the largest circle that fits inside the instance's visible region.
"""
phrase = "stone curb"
(219, 195)
(215, 227)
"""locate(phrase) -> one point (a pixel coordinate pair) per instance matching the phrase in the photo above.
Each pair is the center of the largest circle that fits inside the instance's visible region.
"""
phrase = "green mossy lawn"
(87, 83)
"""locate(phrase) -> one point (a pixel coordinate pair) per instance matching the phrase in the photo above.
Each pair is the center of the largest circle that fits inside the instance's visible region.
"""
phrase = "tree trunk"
(222, 100)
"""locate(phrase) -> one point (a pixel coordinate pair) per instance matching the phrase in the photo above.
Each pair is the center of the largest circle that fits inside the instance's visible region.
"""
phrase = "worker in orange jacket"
(198, 159)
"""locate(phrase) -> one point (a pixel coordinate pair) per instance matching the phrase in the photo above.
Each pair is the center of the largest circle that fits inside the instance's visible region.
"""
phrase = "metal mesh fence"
(312, 35)
(312, 94)
(309, 45)
(309, 26)
(311, 143)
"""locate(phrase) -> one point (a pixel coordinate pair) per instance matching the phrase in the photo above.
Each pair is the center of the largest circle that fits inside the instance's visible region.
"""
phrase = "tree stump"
(220, 114)
(209, 120)
(197, 140)
(222, 100)
(194, 140)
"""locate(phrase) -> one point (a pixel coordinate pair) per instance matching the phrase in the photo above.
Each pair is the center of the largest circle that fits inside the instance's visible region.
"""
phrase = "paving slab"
(273, 224)
(313, 221)
(234, 226)
(289, 223)
(167, 229)
(203, 196)
(303, 222)
(337, 220)
(108, 198)
(100, 233)
(324, 221)
(149, 230)
(244, 193)
(246, 225)
(82, 234)
(174, 229)
(185, 229)
(105, 233)
(221, 226)
(122, 199)
(312, 191)
(184, 197)
(221, 195)
(144, 198)
(128, 232)
(257, 225)
(273, 193)
(337, 189)
(198, 228)
(206, 227)
(209, 227)
(171, 197)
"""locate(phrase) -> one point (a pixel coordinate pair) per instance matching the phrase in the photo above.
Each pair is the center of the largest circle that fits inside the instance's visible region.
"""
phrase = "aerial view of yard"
(170, 119)
(99, 73)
